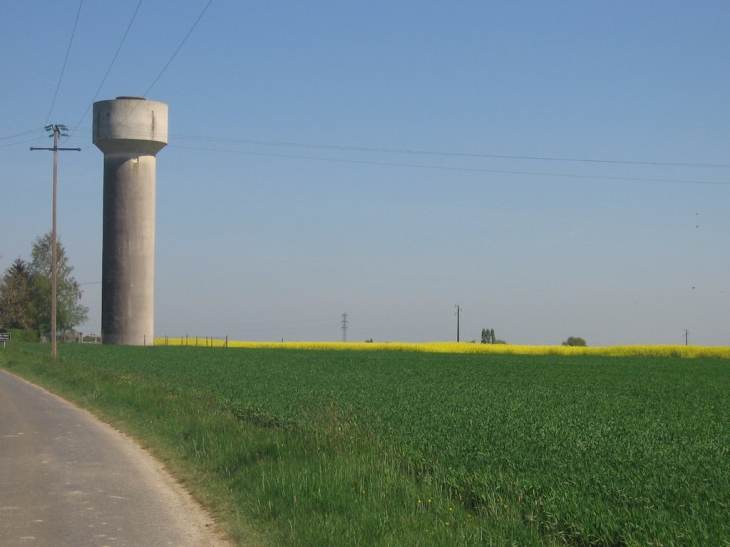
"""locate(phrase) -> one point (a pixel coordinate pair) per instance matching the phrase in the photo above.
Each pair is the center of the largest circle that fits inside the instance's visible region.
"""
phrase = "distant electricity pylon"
(344, 327)
(457, 314)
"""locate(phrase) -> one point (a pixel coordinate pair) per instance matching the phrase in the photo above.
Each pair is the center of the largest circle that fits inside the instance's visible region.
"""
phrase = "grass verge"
(158, 417)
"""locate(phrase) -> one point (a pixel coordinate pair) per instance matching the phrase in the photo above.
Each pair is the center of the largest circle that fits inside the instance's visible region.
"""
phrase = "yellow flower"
(455, 347)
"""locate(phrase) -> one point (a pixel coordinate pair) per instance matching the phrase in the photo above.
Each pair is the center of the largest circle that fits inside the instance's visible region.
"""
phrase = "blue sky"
(292, 190)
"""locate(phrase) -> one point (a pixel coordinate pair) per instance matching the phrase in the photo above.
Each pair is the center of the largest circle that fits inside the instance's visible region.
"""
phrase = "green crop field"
(316, 447)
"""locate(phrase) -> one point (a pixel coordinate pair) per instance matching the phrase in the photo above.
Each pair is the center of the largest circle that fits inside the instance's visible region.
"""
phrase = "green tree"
(69, 312)
(489, 338)
(15, 297)
(574, 341)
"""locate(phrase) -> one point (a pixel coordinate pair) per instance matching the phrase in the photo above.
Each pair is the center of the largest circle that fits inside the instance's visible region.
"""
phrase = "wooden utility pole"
(54, 254)
(457, 314)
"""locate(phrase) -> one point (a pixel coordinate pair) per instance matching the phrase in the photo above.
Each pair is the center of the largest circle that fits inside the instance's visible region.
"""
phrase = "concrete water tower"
(130, 131)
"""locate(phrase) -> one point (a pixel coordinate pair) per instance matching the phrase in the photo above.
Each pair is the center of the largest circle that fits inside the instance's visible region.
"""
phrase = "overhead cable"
(178, 48)
(170, 60)
(108, 70)
(23, 134)
(286, 144)
(18, 142)
(446, 168)
(65, 60)
(456, 154)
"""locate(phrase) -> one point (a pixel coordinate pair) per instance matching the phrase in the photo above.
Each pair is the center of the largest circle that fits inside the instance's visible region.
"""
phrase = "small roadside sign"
(5, 337)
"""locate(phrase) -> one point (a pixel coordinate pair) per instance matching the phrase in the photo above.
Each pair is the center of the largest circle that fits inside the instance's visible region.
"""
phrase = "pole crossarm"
(54, 149)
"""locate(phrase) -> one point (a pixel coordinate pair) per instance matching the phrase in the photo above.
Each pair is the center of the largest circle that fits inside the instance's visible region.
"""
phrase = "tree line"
(488, 337)
(25, 291)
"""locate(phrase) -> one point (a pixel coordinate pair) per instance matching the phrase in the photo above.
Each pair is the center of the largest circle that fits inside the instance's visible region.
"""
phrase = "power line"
(178, 48)
(468, 169)
(427, 152)
(170, 60)
(265, 326)
(129, 26)
(18, 142)
(23, 134)
(453, 154)
(456, 154)
(65, 60)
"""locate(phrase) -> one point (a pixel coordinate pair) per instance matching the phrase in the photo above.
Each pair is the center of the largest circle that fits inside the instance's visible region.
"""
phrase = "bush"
(574, 341)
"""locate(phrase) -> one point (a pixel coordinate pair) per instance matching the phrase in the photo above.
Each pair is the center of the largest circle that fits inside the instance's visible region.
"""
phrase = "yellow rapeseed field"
(722, 352)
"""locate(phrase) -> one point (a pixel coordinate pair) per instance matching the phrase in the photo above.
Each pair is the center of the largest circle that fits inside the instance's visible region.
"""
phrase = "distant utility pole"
(57, 132)
(686, 337)
(457, 314)
(344, 327)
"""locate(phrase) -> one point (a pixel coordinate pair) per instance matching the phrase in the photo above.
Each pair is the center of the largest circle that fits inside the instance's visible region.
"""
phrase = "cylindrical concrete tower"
(130, 131)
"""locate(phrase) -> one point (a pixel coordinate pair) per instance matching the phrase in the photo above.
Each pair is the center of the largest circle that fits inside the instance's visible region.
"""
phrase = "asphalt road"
(67, 479)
